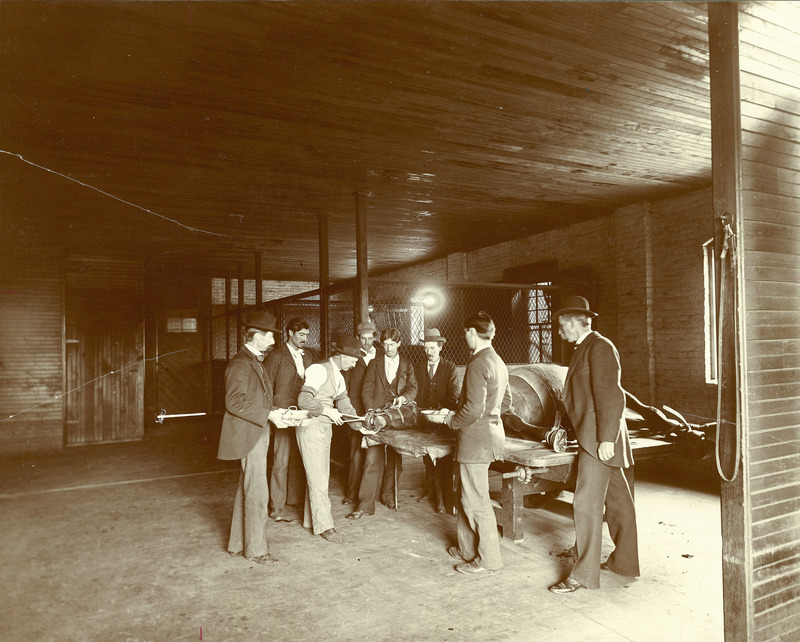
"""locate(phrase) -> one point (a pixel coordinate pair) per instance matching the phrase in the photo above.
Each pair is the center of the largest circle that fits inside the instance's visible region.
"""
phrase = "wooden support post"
(227, 314)
(260, 284)
(240, 306)
(726, 155)
(361, 301)
(510, 516)
(324, 297)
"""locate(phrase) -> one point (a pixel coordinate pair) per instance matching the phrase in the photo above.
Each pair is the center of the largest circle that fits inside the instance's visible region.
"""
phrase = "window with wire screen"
(540, 325)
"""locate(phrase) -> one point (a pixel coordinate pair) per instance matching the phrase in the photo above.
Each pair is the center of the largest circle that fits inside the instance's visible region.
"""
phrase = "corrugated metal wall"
(770, 91)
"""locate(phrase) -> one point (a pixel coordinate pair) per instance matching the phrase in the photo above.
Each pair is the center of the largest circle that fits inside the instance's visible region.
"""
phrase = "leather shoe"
(281, 518)
(390, 504)
(263, 559)
(356, 514)
(453, 551)
(607, 567)
(347, 501)
(332, 536)
(471, 568)
(567, 586)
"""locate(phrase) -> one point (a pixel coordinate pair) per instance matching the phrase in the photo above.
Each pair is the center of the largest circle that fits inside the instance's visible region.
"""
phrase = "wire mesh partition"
(522, 316)
(524, 331)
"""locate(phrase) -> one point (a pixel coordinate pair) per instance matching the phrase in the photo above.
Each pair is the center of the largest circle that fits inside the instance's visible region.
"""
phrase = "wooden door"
(104, 356)
(182, 366)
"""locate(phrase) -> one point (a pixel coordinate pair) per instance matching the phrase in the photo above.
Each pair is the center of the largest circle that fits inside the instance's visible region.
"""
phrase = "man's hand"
(398, 401)
(276, 417)
(333, 414)
(448, 420)
(605, 450)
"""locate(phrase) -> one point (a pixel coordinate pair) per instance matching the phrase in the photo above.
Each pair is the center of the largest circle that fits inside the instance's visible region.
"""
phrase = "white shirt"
(316, 375)
(435, 366)
(297, 355)
(391, 367)
(583, 336)
(253, 350)
(369, 355)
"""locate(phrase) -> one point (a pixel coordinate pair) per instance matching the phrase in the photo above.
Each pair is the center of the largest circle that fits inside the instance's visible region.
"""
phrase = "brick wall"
(648, 260)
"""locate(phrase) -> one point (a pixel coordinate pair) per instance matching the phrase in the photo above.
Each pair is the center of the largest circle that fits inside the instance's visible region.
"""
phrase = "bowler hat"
(576, 304)
(366, 326)
(347, 345)
(433, 334)
(263, 321)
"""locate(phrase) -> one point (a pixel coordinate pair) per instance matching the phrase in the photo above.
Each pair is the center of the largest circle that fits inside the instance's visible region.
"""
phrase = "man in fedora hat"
(245, 436)
(437, 388)
(324, 395)
(595, 403)
(480, 439)
(366, 333)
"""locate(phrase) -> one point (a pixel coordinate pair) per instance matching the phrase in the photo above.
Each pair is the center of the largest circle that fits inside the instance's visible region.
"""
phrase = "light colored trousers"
(477, 527)
(249, 522)
(314, 441)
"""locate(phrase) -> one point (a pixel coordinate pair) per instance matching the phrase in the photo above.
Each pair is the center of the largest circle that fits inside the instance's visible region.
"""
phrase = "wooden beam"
(726, 154)
(324, 295)
(227, 314)
(240, 306)
(259, 282)
(361, 302)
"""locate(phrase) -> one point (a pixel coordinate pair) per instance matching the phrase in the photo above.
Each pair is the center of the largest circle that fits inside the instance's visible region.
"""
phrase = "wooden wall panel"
(770, 78)
(31, 371)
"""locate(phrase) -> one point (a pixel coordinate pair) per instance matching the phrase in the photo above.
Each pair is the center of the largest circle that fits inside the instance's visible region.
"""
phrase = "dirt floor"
(127, 542)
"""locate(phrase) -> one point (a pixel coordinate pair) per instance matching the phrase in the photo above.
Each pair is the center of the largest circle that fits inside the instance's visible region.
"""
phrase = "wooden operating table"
(549, 471)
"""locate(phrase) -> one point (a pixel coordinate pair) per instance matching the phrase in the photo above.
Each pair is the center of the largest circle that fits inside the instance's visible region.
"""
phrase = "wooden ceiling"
(206, 131)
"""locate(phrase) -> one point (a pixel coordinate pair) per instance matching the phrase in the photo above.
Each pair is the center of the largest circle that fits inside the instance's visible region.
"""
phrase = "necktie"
(430, 371)
(260, 357)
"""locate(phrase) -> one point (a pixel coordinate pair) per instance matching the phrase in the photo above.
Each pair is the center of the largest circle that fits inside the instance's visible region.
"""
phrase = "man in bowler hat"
(595, 403)
(245, 436)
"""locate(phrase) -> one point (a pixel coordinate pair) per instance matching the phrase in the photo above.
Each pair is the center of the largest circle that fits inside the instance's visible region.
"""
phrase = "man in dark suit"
(389, 380)
(595, 403)
(245, 436)
(437, 388)
(285, 367)
(480, 438)
(366, 332)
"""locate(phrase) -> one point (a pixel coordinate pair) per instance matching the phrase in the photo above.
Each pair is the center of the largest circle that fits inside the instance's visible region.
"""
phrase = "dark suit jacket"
(376, 391)
(354, 380)
(248, 399)
(595, 400)
(485, 396)
(282, 372)
(442, 391)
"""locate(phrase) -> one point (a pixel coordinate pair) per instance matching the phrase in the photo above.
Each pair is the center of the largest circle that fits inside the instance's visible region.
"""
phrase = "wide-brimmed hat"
(433, 334)
(347, 345)
(576, 304)
(366, 326)
(263, 321)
